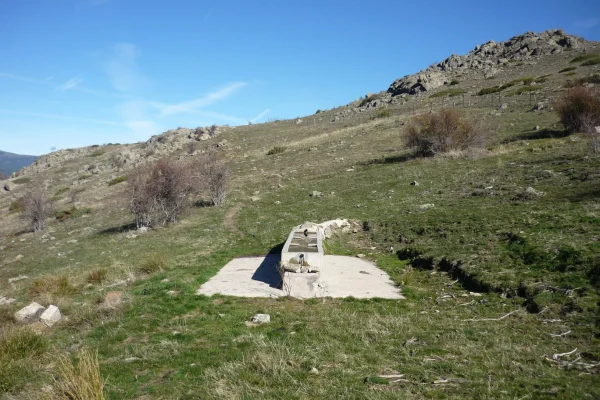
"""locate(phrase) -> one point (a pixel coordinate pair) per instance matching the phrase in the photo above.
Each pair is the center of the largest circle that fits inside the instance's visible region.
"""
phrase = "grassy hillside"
(499, 281)
(10, 162)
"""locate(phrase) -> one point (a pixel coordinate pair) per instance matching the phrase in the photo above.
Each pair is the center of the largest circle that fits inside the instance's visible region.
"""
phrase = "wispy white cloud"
(59, 117)
(261, 115)
(193, 106)
(70, 84)
(586, 23)
(122, 68)
(24, 78)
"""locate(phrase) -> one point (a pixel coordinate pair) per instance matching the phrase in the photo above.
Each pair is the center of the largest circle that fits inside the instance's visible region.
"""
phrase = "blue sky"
(80, 72)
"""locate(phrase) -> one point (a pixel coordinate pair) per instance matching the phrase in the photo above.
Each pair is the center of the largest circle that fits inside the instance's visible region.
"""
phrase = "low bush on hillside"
(567, 69)
(96, 153)
(579, 111)
(593, 78)
(276, 150)
(214, 176)
(37, 207)
(16, 205)
(489, 90)
(449, 93)
(444, 131)
(117, 180)
(454, 82)
(524, 89)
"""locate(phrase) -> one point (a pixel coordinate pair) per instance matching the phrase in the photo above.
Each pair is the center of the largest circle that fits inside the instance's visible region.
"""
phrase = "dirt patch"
(229, 220)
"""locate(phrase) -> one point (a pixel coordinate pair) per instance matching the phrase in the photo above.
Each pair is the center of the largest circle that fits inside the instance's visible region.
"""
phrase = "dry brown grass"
(579, 110)
(97, 276)
(60, 286)
(78, 379)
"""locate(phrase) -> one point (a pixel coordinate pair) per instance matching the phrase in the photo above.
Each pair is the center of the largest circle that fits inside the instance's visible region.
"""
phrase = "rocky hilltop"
(487, 59)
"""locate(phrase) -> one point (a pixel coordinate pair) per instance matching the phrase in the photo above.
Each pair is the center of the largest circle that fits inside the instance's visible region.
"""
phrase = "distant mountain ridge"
(10, 162)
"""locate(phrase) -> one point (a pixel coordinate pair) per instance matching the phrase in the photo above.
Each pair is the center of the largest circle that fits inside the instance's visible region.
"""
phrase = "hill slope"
(10, 162)
(501, 280)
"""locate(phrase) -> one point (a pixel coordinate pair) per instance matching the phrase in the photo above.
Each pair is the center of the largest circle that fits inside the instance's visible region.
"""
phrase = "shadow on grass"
(118, 229)
(392, 159)
(590, 195)
(541, 134)
(203, 203)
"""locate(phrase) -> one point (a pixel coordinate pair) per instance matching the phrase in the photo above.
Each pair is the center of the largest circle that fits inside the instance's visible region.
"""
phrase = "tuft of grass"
(117, 180)
(16, 206)
(72, 212)
(489, 90)
(583, 57)
(96, 276)
(23, 180)
(154, 262)
(454, 82)
(382, 113)
(571, 73)
(60, 286)
(567, 69)
(79, 379)
(83, 177)
(276, 150)
(449, 93)
(20, 343)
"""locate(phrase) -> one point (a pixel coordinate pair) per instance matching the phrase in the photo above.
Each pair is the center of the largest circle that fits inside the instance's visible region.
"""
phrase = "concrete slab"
(343, 277)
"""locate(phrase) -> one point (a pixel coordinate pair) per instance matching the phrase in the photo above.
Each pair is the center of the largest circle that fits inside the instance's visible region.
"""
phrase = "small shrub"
(318, 112)
(150, 151)
(72, 212)
(441, 132)
(36, 209)
(454, 82)
(542, 78)
(583, 57)
(567, 69)
(528, 80)
(96, 276)
(579, 110)
(153, 263)
(79, 379)
(571, 74)
(215, 176)
(118, 160)
(212, 130)
(22, 181)
(192, 147)
(158, 193)
(83, 177)
(117, 180)
(54, 285)
(448, 92)
(276, 150)
(17, 344)
(368, 99)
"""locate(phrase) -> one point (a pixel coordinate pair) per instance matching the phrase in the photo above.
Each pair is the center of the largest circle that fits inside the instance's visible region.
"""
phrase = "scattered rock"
(503, 106)
(314, 371)
(536, 128)
(316, 194)
(360, 255)
(261, 319)
(254, 198)
(143, 229)
(51, 316)
(30, 314)
(18, 278)
(538, 107)
(426, 206)
(19, 257)
(131, 236)
(131, 359)
(5, 301)
(72, 241)
(414, 183)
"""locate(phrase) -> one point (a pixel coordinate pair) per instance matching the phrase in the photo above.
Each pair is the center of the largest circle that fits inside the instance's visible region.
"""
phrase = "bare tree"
(37, 207)
(214, 176)
(159, 193)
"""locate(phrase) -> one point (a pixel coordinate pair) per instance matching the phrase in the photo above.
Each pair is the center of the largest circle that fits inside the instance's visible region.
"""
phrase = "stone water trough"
(303, 250)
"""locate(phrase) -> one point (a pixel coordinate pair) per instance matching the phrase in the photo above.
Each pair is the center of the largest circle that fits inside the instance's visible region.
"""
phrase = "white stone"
(261, 319)
(51, 316)
(6, 301)
(18, 278)
(30, 314)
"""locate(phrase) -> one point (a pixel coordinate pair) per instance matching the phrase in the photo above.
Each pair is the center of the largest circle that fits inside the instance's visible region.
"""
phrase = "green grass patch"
(584, 57)
(16, 206)
(117, 180)
(567, 69)
(23, 180)
(154, 262)
(448, 93)
(83, 177)
(524, 89)
(591, 61)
